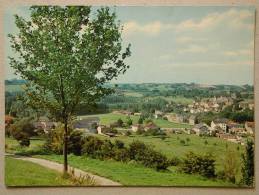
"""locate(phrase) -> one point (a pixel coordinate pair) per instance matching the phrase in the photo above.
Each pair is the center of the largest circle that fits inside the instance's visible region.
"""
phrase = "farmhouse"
(201, 129)
(192, 120)
(104, 130)
(150, 126)
(222, 123)
(136, 127)
(250, 127)
(44, 124)
(88, 124)
(158, 114)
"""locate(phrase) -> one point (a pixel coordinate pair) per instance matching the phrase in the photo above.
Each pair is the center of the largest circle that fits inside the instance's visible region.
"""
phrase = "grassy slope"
(23, 173)
(134, 174)
(110, 118)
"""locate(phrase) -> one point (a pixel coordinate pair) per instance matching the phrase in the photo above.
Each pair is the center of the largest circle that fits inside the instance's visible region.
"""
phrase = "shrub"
(147, 156)
(119, 144)
(54, 142)
(182, 142)
(121, 155)
(137, 150)
(22, 130)
(201, 164)
(24, 141)
(140, 131)
(230, 166)
(206, 142)
(91, 146)
(174, 161)
(154, 159)
(120, 122)
(128, 133)
(106, 150)
(75, 142)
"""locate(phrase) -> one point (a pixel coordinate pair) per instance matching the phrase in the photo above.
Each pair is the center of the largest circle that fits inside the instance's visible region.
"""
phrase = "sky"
(173, 44)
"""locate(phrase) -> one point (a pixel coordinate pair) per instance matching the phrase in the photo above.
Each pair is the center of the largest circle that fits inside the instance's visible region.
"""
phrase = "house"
(201, 129)
(192, 120)
(150, 126)
(222, 123)
(136, 127)
(88, 124)
(46, 126)
(250, 127)
(158, 114)
(235, 128)
(137, 113)
(106, 131)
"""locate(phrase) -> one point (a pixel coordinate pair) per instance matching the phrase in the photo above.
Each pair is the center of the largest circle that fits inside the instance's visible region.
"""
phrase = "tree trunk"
(65, 148)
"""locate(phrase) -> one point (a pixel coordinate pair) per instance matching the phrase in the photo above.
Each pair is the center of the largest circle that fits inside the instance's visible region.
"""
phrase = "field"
(135, 174)
(106, 119)
(23, 173)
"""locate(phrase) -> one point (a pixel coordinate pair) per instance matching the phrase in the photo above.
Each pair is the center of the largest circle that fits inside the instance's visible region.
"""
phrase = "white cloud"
(193, 49)
(244, 52)
(152, 28)
(187, 39)
(232, 18)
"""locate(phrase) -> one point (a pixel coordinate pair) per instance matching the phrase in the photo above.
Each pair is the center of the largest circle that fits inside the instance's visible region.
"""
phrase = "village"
(222, 128)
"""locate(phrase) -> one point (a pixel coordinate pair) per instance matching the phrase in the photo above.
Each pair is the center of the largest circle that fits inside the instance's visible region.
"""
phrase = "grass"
(106, 119)
(24, 173)
(132, 174)
(12, 145)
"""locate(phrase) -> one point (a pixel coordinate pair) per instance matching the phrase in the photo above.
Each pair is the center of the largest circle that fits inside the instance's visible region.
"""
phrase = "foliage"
(129, 121)
(22, 130)
(201, 164)
(230, 166)
(54, 141)
(75, 142)
(248, 164)
(120, 122)
(67, 56)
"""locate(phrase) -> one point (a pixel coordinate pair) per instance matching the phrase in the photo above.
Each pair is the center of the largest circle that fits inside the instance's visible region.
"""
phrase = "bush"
(154, 159)
(128, 133)
(54, 142)
(92, 146)
(120, 122)
(201, 164)
(182, 142)
(174, 161)
(75, 142)
(230, 166)
(119, 144)
(24, 141)
(147, 156)
(121, 155)
(22, 130)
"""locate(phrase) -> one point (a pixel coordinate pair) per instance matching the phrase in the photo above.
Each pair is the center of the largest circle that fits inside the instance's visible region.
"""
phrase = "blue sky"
(209, 45)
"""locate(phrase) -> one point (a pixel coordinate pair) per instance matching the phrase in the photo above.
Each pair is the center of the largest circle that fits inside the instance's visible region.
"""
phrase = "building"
(192, 120)
(150, 126)
(136, 127)
(201, 129)
(250, 127)
(158, 114)
(88, 124)
(222, 123)
(43, 123)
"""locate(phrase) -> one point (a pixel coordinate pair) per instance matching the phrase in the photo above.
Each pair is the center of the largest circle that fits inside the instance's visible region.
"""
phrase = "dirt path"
(100, 181)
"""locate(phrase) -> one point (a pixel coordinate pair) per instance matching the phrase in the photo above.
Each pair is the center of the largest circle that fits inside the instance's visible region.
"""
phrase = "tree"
(119, 122)
(67, 54)
(22, 130)
(140, 120)
(129, 121)
(248, 164)
(230, 166)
